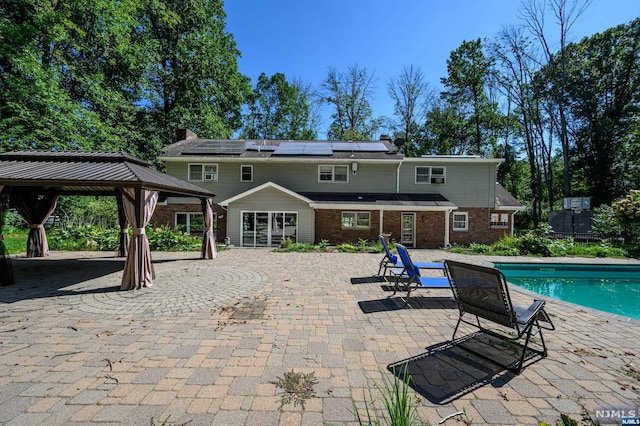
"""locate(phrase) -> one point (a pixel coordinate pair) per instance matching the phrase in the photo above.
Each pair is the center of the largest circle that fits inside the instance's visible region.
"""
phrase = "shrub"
(164, 239)
(479, 248)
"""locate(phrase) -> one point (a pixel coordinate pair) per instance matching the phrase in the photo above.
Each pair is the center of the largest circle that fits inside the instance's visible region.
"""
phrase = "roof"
(88, 172)
(376, 200)
(504, 200)
(240, 148)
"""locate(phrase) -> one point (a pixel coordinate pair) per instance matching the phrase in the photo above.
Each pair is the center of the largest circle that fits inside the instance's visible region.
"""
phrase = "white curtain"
(137, 267)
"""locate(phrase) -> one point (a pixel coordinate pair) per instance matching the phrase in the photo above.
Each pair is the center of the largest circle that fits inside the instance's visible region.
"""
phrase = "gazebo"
(32, 181)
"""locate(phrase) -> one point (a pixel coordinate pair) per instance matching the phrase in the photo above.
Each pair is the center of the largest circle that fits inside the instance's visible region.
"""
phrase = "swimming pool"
(610, 288)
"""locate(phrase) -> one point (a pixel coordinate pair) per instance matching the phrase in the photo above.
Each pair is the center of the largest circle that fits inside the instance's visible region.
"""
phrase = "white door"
(408, 232)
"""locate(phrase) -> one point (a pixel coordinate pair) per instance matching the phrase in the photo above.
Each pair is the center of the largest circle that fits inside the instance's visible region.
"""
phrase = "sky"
(303, 39)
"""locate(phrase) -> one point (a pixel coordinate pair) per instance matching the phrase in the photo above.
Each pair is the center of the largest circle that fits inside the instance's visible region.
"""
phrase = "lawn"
(15, 240)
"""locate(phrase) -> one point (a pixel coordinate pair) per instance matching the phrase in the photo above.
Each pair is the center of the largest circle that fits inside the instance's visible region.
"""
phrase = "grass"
(15, 240)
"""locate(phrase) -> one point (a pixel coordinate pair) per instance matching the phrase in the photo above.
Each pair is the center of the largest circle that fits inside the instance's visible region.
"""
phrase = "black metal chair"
(483, 293)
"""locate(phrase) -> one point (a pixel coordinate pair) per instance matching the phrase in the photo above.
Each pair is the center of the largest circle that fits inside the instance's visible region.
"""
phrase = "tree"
(469, 71)
(533, 15)
(115, 75)
(193, 78)
(411, 95)
(350, 94)
(280, 110)
(602, 109)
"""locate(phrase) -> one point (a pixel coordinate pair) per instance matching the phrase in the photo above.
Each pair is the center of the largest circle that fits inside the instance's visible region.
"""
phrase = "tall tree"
(115, 75)
(193, 78)
(469, 71)
(566, 13)
(350, 95)
(602, 82)
(411, 95)
(280, 110)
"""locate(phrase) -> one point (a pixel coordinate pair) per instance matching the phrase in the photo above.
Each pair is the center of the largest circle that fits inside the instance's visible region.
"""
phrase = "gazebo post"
(6, 269)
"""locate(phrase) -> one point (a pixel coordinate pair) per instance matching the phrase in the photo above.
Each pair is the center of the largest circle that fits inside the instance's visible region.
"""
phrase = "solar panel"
(217, 147)
(290, 148)
(251, 146)
(317, 148)
(359, 146)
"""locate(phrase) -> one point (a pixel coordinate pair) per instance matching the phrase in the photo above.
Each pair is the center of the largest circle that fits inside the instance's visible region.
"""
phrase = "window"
(191, 223)
(333, 173)
(202, 172)
(356, 220)
(246, 173)
(461, 221)
(499, 220)
(430, 174)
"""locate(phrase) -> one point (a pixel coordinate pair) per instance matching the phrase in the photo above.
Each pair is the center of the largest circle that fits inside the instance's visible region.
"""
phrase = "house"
(309, 191)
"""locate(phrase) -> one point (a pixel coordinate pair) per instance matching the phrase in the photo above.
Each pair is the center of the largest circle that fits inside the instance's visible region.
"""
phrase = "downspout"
(513, 223)
(398, 178)
(446, 228)
(381, 222)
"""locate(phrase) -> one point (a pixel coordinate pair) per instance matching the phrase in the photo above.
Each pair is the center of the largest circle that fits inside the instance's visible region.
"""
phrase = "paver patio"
(206, 342)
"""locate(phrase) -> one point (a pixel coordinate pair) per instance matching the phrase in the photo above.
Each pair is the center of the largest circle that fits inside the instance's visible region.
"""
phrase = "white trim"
(251, 191)
(466, 222)
(355, 214)
(333, 173)
(246, 165)
(202, 172)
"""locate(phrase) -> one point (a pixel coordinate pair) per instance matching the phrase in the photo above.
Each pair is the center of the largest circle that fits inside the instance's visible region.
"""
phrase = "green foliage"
(15, 239)
(115, 75)
(604, 222)
(363, 246)
(163, 238)
(83, 238)
(279, 109)
(564, 421)
(479, 248)
(296, 387)
(400, 405)
(350, 95)
(87, 211)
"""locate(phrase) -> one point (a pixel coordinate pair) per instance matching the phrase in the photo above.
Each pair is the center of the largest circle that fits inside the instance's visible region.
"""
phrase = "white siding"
(270, 199)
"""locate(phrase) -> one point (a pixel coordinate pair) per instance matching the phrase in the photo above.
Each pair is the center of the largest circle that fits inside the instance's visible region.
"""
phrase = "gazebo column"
(208, 236)
(6, 269)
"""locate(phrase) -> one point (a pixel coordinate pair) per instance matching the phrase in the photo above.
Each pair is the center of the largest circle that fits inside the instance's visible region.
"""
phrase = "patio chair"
(409, 273)
(390, 260)
(483, 293)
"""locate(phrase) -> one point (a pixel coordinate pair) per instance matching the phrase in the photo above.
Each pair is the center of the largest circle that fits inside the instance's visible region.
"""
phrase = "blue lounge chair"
(410, 275)
(390, 260)
(482, 292)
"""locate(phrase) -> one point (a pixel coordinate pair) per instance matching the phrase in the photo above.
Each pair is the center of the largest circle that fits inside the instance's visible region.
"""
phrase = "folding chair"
(410, 275)
(483, 293)
(390, 260)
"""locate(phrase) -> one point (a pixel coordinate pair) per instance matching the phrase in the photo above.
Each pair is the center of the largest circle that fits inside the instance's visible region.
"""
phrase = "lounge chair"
(390, 260)
(410, 275)
(483, 292)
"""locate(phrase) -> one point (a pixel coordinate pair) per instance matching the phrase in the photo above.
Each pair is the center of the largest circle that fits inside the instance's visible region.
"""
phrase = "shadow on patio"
(450, 370)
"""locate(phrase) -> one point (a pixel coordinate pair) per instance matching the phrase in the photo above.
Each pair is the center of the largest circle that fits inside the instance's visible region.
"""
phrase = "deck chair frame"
(410, 275)
(391, 261)
(483, 293)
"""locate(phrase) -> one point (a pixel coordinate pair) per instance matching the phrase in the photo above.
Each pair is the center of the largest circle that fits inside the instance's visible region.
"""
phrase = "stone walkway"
(205, 344)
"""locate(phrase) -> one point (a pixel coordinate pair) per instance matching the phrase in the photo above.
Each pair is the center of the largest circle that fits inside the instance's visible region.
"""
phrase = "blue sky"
(303, 39)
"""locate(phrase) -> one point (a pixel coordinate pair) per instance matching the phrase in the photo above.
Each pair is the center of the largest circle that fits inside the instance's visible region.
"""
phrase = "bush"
(164, 239)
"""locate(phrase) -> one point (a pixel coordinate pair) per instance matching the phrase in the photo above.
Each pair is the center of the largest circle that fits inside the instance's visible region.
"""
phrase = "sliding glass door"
(268, 229)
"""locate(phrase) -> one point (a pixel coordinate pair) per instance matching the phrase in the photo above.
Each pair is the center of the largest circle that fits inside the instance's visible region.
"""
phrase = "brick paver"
(204, 345)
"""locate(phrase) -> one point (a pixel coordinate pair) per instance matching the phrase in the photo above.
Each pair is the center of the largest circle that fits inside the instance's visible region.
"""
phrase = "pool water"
(609, 288)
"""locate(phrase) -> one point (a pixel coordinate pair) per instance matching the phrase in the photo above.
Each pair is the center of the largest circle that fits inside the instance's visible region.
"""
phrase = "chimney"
(384, 137)
(182, 134)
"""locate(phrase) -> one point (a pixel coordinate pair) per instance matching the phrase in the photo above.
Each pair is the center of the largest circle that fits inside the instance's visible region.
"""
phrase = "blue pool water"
(610, 288)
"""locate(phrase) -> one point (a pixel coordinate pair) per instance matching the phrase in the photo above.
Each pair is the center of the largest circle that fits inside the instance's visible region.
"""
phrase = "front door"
(408, 231)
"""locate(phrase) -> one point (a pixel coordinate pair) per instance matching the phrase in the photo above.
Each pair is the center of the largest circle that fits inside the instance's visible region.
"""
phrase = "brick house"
(309, 191)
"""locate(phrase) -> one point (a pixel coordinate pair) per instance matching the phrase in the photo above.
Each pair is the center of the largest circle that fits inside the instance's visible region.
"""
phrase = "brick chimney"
(182, 134)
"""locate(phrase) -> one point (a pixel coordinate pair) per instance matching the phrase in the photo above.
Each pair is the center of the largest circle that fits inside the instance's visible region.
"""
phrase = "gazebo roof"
(88, 173)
